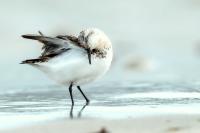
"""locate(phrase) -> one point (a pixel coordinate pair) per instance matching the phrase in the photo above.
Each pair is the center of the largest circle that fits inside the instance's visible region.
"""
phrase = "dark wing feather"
(45, 57)
(74, 40)
(52, 46)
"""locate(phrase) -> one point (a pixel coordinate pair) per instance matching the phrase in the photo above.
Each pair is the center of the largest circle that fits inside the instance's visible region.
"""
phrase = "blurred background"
(155, 67)
(152, 40)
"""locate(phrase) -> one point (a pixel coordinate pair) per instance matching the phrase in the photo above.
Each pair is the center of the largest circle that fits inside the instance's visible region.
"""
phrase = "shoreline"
(181, 123)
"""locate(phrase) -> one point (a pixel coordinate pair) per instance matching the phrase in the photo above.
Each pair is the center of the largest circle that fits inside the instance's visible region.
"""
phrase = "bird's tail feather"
(53, 41)
(33, 37)
(40, 38)
(32, 61)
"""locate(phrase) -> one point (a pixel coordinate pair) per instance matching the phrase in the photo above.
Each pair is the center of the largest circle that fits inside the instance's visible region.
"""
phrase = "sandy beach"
(153, 85)
(149, 124)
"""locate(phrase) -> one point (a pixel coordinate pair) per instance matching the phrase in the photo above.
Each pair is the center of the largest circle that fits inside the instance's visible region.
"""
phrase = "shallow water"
(29, 105)
(149, 43)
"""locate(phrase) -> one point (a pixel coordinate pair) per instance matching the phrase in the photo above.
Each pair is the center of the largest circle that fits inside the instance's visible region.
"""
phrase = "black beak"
(89, 55)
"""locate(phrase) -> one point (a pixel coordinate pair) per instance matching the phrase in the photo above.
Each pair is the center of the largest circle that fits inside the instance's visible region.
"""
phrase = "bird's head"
(94, 39)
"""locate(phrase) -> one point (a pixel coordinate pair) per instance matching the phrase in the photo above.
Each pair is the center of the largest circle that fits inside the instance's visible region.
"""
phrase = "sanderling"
(73, 61)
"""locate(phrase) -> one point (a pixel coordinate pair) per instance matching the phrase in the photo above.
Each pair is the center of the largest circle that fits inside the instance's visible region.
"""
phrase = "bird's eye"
(94, 50)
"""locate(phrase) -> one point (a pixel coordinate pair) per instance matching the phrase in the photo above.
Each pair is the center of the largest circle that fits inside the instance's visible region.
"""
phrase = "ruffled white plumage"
(73, 67)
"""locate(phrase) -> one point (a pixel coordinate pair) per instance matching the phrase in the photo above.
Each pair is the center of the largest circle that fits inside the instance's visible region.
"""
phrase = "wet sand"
(32, 105)
(175, 123)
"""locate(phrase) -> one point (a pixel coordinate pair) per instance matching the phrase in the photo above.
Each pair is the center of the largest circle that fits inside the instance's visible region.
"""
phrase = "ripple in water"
(111, 101)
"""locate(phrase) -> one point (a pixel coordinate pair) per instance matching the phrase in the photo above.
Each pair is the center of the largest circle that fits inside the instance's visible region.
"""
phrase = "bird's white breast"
(73, 67)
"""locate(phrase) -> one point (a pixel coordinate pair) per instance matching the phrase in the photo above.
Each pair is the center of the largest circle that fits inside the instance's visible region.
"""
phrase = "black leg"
(71, 95)
(87, 100)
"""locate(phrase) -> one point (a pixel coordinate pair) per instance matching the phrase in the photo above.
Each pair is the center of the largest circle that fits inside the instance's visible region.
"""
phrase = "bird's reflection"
(71, 114)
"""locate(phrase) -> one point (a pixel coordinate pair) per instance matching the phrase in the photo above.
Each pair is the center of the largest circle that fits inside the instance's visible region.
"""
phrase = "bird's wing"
(52, 46)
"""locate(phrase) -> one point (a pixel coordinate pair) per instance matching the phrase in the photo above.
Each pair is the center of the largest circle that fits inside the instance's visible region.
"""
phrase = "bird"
(72, 60)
